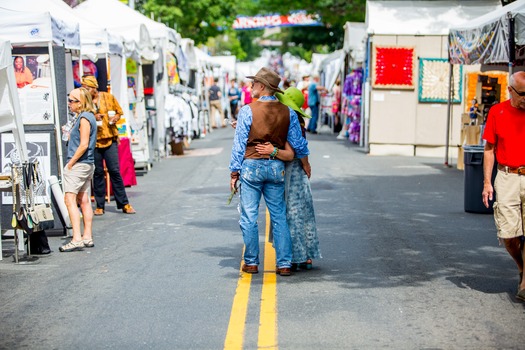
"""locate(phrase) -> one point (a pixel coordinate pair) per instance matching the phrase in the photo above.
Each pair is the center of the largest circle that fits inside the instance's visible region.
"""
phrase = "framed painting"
(393, 67)
(434, 80)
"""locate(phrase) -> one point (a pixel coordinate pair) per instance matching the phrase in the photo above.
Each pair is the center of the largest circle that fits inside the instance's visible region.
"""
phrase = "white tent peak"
(422, 17)
(495, 15)
(41, 26)
(117, 16)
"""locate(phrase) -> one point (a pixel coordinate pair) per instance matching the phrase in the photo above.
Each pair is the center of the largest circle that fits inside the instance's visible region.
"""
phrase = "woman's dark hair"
(23, 63)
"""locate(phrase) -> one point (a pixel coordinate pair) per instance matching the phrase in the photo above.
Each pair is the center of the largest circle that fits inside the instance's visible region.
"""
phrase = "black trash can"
(473, 158)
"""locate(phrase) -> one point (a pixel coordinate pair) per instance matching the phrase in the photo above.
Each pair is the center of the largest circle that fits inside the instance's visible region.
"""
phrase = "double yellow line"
(267, 338)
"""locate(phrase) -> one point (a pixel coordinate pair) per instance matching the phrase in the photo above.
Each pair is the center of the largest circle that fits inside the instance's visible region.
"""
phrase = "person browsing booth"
(108, 113)
(265, 120)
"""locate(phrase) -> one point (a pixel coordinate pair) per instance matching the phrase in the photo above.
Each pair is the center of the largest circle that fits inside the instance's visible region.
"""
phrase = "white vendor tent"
(95, 40)
(45, 34)
(10, 113)
(400, 117)
(153, 40)
(45, 28)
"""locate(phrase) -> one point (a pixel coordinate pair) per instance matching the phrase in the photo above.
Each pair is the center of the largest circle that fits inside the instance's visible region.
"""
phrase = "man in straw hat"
(265, 120)
(108, 112)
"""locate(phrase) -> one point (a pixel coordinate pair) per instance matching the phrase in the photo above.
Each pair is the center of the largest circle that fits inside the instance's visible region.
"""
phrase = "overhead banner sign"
(296, 19)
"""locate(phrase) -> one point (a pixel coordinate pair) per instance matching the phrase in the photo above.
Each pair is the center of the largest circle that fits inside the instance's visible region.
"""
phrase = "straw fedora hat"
(293, 98)
(268, 77)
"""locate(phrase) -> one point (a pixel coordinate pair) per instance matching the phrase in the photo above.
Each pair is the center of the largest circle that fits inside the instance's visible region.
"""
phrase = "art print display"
(172, 69)
(393, 67)
(434, 76)
(38, 148)
(88, 68)
(33, 79)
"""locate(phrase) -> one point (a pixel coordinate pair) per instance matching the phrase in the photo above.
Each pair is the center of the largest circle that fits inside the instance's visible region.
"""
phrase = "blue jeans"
(264, 177)
(110, 155)
(312, 125)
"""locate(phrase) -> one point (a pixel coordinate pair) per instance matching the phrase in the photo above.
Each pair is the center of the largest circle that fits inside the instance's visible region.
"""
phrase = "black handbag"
(38, 243)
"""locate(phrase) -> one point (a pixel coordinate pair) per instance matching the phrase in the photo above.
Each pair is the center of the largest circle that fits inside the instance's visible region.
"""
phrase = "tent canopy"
(40, 28)
(423, 17)
(227, 63)
(485, 39)
(355, 34)
(331, 66)
(355, 40)
(122, 19)
(94, 39)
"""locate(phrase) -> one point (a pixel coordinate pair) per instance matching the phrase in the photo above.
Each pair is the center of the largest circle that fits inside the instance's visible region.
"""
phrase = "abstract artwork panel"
(393, 67)
(434, 80)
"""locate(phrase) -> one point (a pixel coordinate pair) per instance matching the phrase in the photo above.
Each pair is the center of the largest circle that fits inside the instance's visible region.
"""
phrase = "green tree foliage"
(209, 21)
(195, 19)
(226, 44)
(248, 45)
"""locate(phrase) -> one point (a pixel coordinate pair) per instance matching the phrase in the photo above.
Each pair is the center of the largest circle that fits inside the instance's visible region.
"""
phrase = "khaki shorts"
(78, 179)
(509, 207)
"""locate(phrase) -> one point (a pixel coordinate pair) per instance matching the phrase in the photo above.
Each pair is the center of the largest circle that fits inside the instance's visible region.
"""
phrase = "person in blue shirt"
(313, 102)
(262, 121)
(234, 95)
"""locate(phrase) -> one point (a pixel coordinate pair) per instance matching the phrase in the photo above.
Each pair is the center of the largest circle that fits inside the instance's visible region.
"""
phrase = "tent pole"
(512, 43)
(449, 111)
(56, 112)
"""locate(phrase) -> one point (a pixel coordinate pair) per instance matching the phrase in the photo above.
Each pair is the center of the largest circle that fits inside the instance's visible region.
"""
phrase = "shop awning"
(38, 28)
(122, 19)
(485, 40)
(331, 66)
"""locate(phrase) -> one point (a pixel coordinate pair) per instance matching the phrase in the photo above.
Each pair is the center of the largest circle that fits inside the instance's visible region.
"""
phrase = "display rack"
(22, 196)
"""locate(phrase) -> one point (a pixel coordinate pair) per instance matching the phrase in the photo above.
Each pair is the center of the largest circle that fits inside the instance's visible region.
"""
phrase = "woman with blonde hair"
(79, 169)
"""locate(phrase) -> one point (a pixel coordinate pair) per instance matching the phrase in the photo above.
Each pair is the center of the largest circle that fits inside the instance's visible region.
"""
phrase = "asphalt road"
(403, 267)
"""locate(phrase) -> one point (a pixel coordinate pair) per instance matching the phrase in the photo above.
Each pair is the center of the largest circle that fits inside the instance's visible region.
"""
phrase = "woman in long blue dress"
(300, 213)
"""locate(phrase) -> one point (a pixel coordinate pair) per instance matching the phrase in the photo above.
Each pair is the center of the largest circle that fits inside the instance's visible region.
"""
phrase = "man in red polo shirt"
(505, 136)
